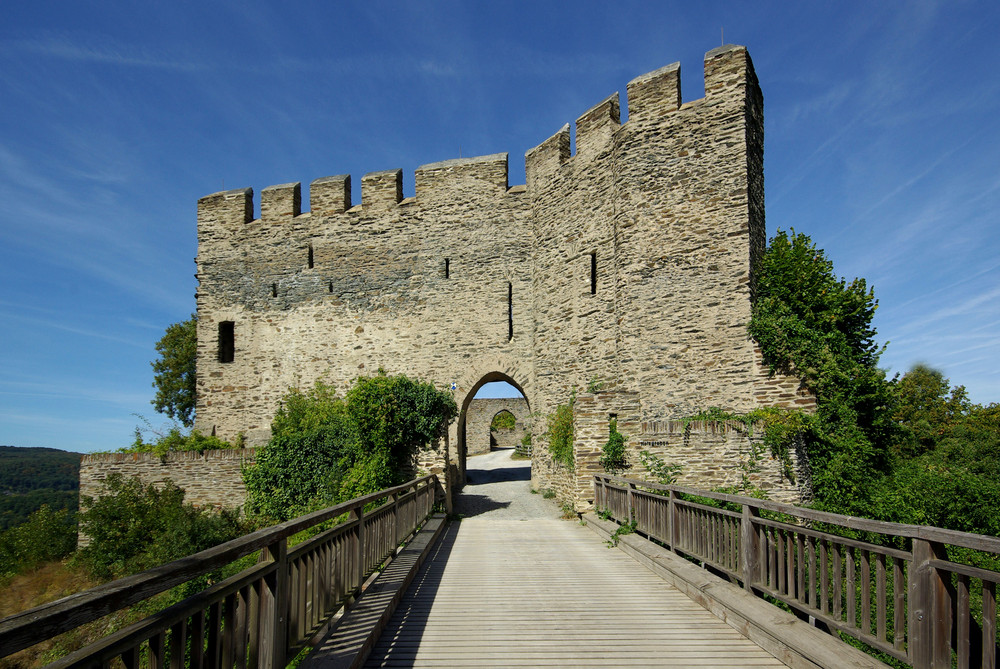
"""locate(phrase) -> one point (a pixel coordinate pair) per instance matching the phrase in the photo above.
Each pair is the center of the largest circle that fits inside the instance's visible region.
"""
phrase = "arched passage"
(475, 416)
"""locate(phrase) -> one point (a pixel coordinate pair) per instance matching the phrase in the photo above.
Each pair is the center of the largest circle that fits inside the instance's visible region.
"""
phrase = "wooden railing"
(262, 616)
(900, 589)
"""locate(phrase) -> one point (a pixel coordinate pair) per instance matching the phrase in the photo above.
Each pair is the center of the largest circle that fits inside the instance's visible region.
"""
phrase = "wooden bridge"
(392, 583)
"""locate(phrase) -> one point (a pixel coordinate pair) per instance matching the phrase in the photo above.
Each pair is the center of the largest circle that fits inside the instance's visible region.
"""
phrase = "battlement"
(652, 98)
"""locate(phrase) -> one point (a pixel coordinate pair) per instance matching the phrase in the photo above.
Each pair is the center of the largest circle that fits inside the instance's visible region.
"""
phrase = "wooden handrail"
(273, 590)
(926, 606)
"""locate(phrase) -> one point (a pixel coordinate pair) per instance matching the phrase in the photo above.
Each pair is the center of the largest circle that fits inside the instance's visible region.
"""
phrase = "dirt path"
(500, 488)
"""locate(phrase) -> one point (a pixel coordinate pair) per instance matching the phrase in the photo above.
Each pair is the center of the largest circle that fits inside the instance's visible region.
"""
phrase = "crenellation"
(229, 208)
(450, 179)
(382, 189)
(280, 203)
(596, 127)
(727, 67)
(541, 162)
(330, 195)
(654, 94)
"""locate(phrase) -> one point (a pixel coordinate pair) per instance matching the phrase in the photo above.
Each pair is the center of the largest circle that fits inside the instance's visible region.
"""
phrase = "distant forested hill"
(31, 477)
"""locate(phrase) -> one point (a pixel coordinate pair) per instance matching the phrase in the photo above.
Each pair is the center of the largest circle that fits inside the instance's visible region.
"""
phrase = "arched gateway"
(624, 268)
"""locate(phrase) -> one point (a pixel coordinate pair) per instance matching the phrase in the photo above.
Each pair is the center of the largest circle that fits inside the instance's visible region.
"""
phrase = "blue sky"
(881, 143)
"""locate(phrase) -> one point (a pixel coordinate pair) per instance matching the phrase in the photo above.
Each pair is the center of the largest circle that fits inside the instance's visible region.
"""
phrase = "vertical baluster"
(852, 589)
(811, 590)
(779, 561)
(130, 658)
(253, 625)
(866, 592)
(213, 654)
(824, 577)
(240, 637)
(790, 553)
(178, 645)
(989, 625)
(198, 640)
(157, 651)
(772, 561)
(801, 571)
(228, 628)
(838, 581)
(880, 596)
(962, 614)
(899, 604)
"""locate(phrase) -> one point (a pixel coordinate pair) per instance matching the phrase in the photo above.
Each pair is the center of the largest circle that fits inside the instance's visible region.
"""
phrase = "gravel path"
(499, 488)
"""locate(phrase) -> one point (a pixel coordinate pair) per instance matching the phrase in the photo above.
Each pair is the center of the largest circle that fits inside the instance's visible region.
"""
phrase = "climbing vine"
(559, 432)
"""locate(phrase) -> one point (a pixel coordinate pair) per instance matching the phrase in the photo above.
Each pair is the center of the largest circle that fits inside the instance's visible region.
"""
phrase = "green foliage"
(594, 385)
(324, 449)
(175, 440)
(621, 531)
(815, 325)
(174, 371)
(33, 477)
(613, 456)
(926, 409)
(134, 526)
(47, 535)
(560, 433)
(503, 421)
(662, 472)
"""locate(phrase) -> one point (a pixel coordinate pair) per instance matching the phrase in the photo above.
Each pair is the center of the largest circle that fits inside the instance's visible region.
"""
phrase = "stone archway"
(479, 417)
(476, 415)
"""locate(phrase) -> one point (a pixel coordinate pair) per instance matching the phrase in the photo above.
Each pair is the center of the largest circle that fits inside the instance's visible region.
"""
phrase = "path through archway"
(493, 394)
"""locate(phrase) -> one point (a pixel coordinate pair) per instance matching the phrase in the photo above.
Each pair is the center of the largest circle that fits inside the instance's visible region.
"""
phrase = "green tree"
(134, 526)
(812, 324)
(927, 408)
(174, 371)
(47, 535)
(325, 449)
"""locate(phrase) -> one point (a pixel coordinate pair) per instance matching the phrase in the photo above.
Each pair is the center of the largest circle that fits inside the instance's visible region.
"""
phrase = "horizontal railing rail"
(904, 590)
(260, 617)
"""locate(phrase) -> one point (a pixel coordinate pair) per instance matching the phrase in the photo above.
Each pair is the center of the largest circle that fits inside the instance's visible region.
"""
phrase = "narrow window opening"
(447, 268)
(274, 290)
(510, 311)
(329, 287)
(310, 261)
(593, 273)
(227, 341)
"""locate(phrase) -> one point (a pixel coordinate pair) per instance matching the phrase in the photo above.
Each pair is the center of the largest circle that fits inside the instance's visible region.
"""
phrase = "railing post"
(359, 548)
(672, 525)
(749, 547)
(930, 608)
(629, 501)
(274, 608)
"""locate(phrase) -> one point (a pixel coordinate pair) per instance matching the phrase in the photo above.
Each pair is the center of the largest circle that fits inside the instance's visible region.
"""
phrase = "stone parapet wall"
(212, 479)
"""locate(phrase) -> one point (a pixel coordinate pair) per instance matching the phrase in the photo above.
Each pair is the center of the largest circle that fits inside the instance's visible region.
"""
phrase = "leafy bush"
(662, 472)
(175, 440)
(325, 449)
(504, 420)
(47, 535)
(613, 456)
(134, 526)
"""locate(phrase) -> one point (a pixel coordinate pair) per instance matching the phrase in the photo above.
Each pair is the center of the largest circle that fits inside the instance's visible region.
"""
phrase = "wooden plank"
(523, 593)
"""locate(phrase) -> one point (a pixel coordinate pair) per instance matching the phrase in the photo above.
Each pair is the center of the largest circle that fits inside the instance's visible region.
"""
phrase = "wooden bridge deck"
(549, 593)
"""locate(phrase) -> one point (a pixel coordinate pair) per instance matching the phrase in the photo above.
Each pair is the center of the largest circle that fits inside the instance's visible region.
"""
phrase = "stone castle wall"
(209, 479)
(628, 261)
(480, 414)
